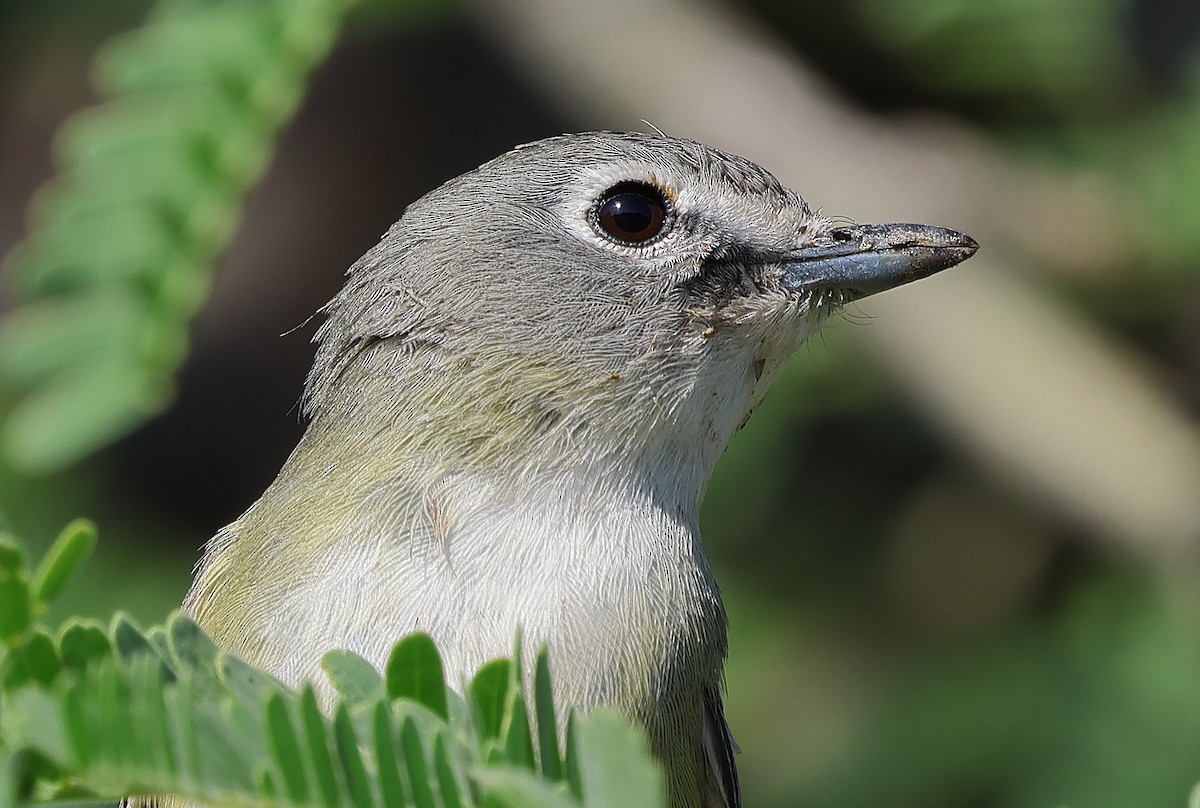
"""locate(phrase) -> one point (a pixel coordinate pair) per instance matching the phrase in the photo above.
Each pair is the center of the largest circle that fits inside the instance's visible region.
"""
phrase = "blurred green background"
(959, 542)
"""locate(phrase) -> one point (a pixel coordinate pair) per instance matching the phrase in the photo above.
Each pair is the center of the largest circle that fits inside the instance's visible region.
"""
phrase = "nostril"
(840, 235)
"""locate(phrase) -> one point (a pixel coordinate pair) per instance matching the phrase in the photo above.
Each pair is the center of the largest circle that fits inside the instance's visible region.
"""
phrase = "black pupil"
(632, 215)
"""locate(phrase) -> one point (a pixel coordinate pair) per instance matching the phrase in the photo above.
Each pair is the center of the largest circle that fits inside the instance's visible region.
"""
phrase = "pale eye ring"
(631, 213)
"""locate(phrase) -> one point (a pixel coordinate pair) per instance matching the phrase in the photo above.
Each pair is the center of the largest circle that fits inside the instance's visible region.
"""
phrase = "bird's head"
(595, 290)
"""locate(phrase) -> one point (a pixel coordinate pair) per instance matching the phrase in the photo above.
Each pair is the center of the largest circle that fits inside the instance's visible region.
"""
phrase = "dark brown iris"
(632, 212)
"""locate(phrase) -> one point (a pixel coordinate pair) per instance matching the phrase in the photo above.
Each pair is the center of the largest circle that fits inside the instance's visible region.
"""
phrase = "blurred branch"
(1028, 386)
(1037, 393)
(695, 70)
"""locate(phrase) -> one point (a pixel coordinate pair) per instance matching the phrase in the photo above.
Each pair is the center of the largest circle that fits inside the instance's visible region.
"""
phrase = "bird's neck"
(647, 429)
(575, 555)
(467, 508)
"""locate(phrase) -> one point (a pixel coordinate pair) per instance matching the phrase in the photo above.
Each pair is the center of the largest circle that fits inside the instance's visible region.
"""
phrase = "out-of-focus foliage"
(1062, 56)
(104, 713)
(1093, 710)
(150, 190)
(1062, 78)
(1158, 159)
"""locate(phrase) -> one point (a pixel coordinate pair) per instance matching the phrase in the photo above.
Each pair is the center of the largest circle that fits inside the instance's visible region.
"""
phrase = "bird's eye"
(632, 212)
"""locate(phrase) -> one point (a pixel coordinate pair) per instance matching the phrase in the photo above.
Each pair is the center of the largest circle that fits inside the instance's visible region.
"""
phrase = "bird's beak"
(869, 258)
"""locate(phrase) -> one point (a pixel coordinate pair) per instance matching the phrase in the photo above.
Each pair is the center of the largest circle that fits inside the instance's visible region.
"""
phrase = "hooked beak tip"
(864, 259)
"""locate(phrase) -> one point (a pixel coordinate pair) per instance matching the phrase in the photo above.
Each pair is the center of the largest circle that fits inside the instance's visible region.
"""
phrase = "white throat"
(576, 563)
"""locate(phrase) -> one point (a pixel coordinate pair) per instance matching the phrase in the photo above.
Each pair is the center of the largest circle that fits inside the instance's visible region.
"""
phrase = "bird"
(516, 402)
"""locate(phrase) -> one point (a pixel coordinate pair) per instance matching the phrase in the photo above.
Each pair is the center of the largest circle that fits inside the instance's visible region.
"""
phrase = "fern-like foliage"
(123, 241)
(104, 712)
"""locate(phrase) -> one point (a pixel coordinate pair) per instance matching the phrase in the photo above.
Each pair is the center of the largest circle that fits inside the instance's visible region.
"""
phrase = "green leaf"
(267, 789)
(223, 765)
(157, 635)
(317, 742)
(355, 679)
(110, 694)
(15, 612)
(615, 766)
(414, 761)
(130, 643)
(33, 719)
(414, 671)
(351, 759)
(150, 188)
(36, 659)
(391, 787)
(12, 556)
(191, 648)
(69, 552)
(149, 716)
(25, 766)
(180, 703)
(571, 766)
(489, 693)
(128, 639)
(83, 643)
(518, 743)
(78, 411)
(83, 732)
(249, 685)
(281, 734)
(42, 657)
(517, 788)
(143, 713)
(246, 729)
(547, 727)
(448, 785)
(10, 779)
(165, 54)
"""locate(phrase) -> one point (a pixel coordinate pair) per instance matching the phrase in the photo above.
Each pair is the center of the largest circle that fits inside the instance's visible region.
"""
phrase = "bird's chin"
(825, 302)
(770, 327)
(810, 309)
